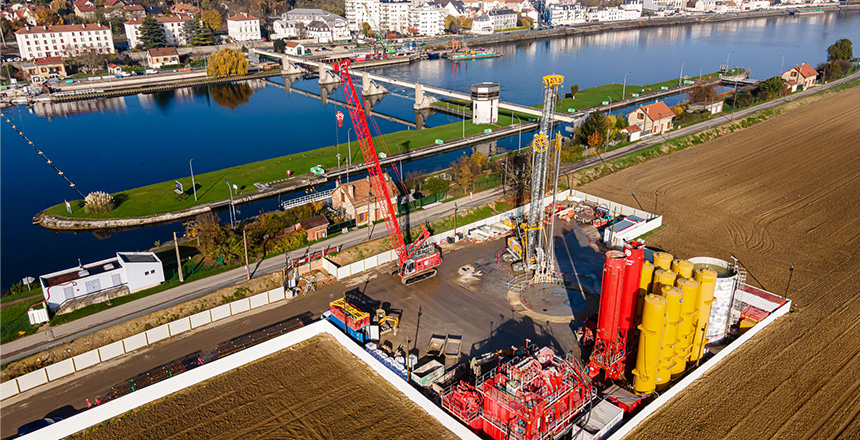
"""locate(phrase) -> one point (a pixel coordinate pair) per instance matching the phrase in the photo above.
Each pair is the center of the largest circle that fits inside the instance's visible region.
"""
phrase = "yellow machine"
(689, 314)
(707, 279)
(386, 322)
(684, 268)
(650, 343)
(673, 297)
(663, 260)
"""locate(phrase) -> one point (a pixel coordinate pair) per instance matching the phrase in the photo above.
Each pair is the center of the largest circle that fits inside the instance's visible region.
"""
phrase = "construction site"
(578, 315)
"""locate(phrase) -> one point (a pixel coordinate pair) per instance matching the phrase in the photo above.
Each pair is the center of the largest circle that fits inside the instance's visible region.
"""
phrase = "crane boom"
(371, 158)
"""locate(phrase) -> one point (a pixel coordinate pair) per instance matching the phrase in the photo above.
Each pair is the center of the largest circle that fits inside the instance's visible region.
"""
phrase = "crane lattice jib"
(539, 160)
(374, 170)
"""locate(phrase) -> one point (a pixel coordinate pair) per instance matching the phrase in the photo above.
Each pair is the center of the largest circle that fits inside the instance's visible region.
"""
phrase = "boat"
(432, 55)
(807, 11)
(472, 55)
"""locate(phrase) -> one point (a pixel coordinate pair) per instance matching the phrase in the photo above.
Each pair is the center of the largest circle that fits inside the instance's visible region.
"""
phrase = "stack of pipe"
(686, 329)
(673, 297)
(707, 279)
(650, 341)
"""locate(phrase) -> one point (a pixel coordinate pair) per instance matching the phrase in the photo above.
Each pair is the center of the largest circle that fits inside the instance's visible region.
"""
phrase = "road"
(51, 337)
(61, 334)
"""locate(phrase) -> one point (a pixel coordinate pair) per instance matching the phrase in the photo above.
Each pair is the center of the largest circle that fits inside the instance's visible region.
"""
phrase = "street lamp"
(624, 89)
(606, 144)
(521, 132)
(727, 58)
(232, 213)
(455, 221)
(192, 179)
(681, 76)
(349, 153)
(782, 66)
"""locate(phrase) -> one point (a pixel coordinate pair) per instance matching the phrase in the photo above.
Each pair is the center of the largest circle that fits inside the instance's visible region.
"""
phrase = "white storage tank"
(721, 309)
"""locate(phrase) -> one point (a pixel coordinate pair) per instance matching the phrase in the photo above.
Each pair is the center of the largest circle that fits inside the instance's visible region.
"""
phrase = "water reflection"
(47, 109)
(231, 95)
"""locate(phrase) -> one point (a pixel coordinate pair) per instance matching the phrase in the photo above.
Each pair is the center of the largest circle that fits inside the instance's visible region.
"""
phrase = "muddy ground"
(315, 390)
(781, 193)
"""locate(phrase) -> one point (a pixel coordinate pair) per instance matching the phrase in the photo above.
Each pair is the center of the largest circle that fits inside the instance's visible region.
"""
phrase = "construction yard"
(779, 194)
(314, 390)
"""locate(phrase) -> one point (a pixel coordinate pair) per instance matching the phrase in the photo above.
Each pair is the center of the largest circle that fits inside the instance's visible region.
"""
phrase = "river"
(120, 143)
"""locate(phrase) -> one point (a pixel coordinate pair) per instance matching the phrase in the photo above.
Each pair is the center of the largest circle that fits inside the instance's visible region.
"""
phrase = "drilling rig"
(529, 245)
(419, 260)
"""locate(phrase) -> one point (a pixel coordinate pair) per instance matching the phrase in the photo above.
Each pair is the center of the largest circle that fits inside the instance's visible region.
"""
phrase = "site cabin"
(803, 75)
(652, 118)
(134, 270)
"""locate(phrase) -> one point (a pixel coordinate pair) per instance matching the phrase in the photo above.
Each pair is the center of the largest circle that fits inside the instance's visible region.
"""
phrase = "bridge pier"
(288, 68)
(421, 100)
(325, 90)
(421, 116)
(370, 101)
(370, 88)
(289, 79)
(327, 76)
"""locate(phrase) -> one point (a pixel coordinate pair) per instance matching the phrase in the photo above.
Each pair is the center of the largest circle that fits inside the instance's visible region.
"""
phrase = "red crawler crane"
(418, 261)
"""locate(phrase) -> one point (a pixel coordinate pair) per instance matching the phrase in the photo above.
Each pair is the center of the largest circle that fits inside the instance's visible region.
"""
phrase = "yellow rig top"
(553, 80)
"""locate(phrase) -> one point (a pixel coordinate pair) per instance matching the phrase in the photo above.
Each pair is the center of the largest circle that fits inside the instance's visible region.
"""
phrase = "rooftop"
(242, 17)
(314, 222)
(656, 111)
(76, 273)
(138, 257)
(61, 28)
(162, 51)
(49, 60)
(157, 20)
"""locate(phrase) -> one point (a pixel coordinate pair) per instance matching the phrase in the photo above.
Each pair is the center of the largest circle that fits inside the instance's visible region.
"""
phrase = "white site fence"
(651, 222)
(152, 393)
(135, 342)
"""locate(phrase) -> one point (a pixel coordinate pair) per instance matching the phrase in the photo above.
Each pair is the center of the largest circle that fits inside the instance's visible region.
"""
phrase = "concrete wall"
(135, 342)
(140, 276)
(116, 407)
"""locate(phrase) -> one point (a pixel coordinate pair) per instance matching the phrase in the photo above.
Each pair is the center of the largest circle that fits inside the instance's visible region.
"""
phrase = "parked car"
(36, 425)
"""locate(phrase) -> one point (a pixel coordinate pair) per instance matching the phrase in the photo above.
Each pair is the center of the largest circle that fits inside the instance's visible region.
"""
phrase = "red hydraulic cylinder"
(635, 255)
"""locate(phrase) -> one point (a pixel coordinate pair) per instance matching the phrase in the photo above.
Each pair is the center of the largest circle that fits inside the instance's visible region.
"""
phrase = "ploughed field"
(783, 192)
(315, 390)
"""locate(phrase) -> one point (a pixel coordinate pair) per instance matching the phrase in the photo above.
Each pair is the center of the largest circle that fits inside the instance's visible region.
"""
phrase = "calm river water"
(120, 143)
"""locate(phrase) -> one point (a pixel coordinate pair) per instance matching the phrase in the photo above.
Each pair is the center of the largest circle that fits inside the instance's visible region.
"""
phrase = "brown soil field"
(780, 193)
(315, 390)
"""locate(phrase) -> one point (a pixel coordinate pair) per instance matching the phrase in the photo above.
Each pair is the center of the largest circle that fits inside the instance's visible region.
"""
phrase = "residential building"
(243, 27)
(172, 31)
(632, 5)
(358, 12)
(126, 273)
(294, 48)
(45, 68)
(135, 11)
(355, 200)
(316, 227)
(283, 29)
(804, 75)
(319, 32)
(18, 12)
(664, 5)
(394, 16)
(457, 9)
(122, 3)
(85, 9)
(482, 25)
(652, 119)
(162, 56)
(63, 40)
(503, 19)
(114, 69)
(337, 25)
(427, 20)
(184, 9)
(566, 15)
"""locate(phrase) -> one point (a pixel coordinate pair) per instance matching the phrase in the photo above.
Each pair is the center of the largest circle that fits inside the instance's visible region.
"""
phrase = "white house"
(63, 40)
(243, 27)
(804, 75)
(427, 20)
(482, 25)
(566, 15)
(162, 56)
(394, 15)
(652, 119)
(457, 9)
(172, 30)
(319, 31)
(337, 25)
(293, 48)
(632, 5)
(503, 19)
(283, 29)
(133, 270)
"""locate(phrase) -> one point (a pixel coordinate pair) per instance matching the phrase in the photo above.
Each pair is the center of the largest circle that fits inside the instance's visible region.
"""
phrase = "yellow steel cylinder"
(663, 260)
(707, 279)
(644, 286)
(689, 314)
(673, 297)
(684, 268)
(662, 278)
(650, 342)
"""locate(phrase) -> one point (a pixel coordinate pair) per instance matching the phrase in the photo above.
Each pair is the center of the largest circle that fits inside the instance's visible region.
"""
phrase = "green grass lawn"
(597, 95)
(160, 198)
(37, 291)
(14, 320)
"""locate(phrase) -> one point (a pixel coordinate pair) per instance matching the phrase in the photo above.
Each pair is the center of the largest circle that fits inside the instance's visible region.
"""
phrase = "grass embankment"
(597, 95)
(159, 198)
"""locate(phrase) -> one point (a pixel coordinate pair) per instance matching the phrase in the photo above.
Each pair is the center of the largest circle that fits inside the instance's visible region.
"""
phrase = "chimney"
(351, 190)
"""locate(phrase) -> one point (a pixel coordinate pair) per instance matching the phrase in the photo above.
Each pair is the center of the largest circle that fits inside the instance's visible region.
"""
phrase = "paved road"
(54, 336)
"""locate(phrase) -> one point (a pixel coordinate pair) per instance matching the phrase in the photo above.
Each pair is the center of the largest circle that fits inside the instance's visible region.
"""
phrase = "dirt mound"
(781, 193)
(316, 390)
